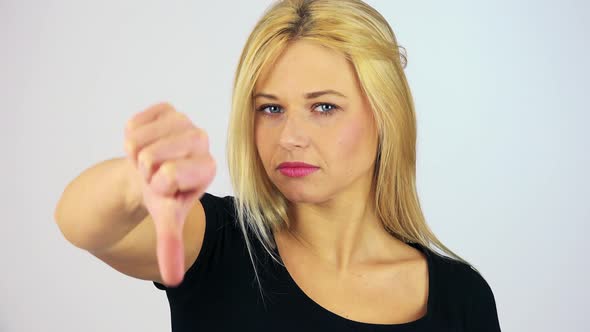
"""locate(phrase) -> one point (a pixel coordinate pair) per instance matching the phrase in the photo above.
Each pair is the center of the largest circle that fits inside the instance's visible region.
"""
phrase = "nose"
(293, 132)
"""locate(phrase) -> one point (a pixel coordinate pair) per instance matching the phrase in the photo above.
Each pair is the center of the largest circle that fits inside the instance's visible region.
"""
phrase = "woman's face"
(309, 108)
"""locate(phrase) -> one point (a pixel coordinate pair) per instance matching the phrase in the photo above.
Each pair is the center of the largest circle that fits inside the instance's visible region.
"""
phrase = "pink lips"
(296, 169)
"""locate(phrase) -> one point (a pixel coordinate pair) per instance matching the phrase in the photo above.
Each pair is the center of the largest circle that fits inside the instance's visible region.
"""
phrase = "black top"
(219, 291)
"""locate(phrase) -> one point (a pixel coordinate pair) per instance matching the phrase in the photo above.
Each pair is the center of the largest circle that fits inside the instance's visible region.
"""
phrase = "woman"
(325, 231)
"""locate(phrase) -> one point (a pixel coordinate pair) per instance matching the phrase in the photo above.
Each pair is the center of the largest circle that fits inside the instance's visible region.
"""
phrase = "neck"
(342, 231)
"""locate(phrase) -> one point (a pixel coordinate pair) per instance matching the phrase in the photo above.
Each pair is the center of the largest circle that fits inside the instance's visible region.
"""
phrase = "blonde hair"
(361, 34)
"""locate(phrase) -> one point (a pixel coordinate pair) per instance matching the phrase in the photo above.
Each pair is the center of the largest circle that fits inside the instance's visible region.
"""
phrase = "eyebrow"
(309, 95)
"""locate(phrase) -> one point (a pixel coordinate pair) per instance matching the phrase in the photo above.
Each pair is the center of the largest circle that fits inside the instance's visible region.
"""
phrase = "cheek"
(351, 139)
(263, 147)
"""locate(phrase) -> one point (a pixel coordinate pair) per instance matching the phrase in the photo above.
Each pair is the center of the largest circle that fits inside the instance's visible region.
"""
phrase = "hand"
(175, 167)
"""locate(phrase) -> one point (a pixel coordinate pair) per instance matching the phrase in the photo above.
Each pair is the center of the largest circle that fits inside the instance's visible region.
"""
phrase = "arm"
(101, 211)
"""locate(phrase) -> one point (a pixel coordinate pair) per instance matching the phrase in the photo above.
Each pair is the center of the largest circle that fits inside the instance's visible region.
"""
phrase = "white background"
(501, 92)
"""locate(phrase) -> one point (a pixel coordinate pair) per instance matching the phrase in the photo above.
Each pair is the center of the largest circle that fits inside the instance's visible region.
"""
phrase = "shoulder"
(461, 277)
(463, 290)
(461, 280)
(223, 204)
(219, 210)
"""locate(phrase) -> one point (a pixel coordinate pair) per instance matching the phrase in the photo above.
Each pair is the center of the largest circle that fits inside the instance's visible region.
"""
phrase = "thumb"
(170, 247)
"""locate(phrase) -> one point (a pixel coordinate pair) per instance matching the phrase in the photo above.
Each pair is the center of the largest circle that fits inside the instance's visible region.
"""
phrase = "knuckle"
(167, 106)
(205, 137)
(202, 138)
(194, 135)
(196, 140)
(179, 117)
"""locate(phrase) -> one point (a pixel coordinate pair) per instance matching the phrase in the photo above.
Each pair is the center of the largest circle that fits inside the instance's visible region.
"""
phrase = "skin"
(360, 271)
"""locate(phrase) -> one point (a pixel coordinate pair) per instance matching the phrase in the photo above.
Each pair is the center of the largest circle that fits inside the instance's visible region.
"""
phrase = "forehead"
(305, 65)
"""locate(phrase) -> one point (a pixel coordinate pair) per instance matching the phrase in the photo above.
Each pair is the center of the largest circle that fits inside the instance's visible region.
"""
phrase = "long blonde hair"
(361, 34)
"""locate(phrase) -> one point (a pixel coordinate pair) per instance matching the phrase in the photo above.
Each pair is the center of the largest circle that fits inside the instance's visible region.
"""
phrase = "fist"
(173, 169)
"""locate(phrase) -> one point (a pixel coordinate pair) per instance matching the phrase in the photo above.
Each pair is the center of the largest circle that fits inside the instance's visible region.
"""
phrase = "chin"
(298, 195)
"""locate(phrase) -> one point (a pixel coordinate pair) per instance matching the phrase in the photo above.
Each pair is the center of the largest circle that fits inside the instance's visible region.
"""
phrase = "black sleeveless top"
(219, 291)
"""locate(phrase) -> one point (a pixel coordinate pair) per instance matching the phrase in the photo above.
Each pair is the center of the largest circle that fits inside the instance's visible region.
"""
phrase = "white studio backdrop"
(501, 93)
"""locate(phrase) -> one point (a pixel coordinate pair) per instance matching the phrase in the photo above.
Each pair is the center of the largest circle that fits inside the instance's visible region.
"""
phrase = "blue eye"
(273, 109)
(325, 109)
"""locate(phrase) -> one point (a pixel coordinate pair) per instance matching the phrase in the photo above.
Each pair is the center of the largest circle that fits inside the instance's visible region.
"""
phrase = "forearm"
(101, 205)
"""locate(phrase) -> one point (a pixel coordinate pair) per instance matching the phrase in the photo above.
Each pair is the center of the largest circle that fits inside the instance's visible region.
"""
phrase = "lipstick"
(296, 169)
